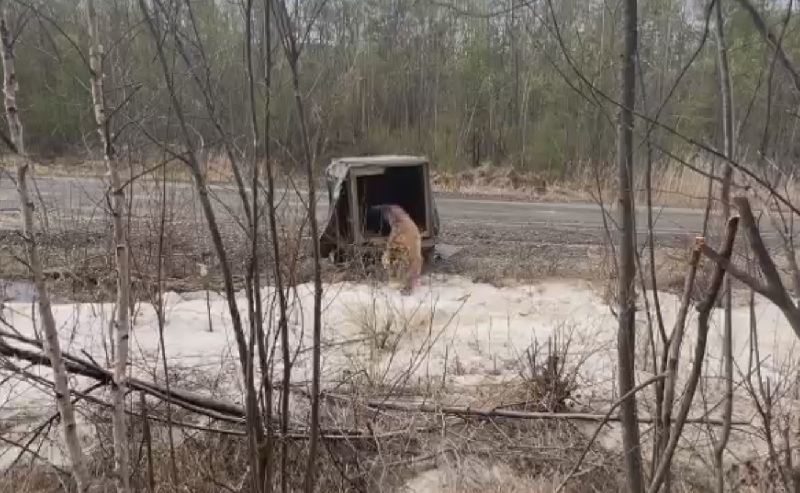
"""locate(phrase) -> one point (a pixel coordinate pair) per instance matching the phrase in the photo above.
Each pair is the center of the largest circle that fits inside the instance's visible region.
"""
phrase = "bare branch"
(772, 42)
(675, 344)
(704, 312)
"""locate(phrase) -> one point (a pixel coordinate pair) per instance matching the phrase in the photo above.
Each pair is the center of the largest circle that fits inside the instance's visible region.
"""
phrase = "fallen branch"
(78, 366)
(327, 434)
(463, 411)
(211, 408)
(36, 455)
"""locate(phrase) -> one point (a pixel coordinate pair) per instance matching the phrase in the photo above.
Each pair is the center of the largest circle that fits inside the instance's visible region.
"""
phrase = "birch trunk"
(121, 461)
(52, 347)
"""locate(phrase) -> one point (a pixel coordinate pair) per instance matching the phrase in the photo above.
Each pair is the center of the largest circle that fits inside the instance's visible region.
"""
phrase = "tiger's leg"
(401, 265)
(391, 267)
(403, 262)
(414, 267)
(397, 263)
(387, 260)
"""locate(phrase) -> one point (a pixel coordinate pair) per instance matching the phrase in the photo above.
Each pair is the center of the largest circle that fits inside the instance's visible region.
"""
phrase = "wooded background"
(466, 83)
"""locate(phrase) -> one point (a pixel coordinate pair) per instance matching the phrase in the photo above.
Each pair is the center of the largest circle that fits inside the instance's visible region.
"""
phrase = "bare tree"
(52, 346)
(121, 248)
(263, 474)
(272, 216)
(292, 48)
(726, 95)
(254, 421)
(626, 296)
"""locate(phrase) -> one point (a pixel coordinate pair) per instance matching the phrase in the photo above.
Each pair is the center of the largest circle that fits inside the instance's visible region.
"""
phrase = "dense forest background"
(506, 82)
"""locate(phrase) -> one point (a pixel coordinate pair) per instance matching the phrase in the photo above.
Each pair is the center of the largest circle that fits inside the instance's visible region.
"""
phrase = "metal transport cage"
(357, 183)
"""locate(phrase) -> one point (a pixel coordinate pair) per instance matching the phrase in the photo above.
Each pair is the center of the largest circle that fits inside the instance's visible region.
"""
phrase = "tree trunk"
(52, 347)
(253, 417)
(121, 248)
(726, 95)
(627, 250)
(292, 52)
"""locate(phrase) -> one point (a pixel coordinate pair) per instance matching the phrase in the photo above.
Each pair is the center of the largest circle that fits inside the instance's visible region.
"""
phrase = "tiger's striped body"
(402, 257)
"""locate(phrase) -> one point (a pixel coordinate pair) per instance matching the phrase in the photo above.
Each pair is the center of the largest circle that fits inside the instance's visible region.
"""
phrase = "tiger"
(402, 256)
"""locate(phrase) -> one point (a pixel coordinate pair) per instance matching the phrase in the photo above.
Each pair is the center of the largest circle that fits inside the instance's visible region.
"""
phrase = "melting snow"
(475, 333)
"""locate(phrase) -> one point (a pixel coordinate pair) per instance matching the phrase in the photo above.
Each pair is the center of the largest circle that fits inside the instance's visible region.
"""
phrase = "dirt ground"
(79, 258)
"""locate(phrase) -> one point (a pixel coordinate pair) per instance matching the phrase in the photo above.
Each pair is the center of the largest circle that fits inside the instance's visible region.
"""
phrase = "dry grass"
(461, 455)
(673, 184)
(442, 454)
(213, 462)
(207, 460)
(216, 168)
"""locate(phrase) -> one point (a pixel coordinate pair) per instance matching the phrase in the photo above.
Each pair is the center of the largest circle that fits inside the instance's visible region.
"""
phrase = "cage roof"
(385, 159)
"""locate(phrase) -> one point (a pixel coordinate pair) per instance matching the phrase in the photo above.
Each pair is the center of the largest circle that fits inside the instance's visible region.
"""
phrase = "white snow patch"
(476, 333)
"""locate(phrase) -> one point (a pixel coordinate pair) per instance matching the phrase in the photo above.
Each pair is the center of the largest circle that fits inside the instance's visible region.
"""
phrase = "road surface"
(69, 198)
(486, 240)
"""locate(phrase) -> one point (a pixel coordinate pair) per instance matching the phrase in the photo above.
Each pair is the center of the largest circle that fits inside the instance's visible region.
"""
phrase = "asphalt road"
(84, 198)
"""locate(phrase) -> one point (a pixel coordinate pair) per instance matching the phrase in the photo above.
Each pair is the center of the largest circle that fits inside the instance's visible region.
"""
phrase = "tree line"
(508, 82)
